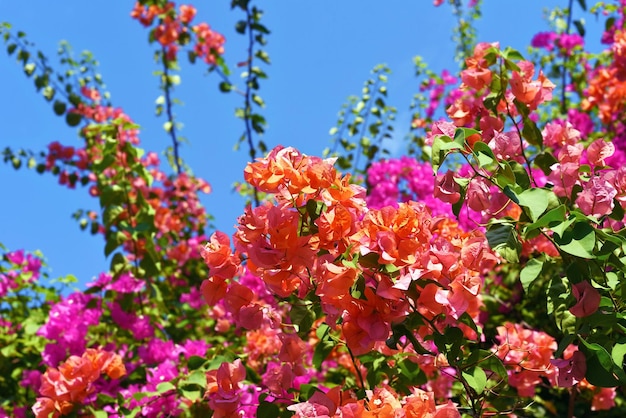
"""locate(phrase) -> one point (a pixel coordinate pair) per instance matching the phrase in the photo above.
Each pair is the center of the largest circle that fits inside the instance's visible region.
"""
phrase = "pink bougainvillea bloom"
(318, 405)
(563, 177)
(572, 370)
(558, 133)
(570, 153)
(447, 410)
(476, 77)
(569, 41)
(596, 199)
(587, 299)
(598, 151)
(440, 128)
(446, 189)
(506, 145)
(293, 348)
(544, 40)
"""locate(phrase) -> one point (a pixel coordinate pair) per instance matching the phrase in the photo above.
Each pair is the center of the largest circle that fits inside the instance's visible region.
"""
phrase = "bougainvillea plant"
(481, 274)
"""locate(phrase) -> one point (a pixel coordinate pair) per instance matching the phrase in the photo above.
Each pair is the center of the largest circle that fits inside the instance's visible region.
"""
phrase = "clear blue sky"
(321, 52)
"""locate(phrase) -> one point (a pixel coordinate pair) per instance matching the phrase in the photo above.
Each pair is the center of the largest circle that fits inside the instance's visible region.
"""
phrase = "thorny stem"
(168, 109)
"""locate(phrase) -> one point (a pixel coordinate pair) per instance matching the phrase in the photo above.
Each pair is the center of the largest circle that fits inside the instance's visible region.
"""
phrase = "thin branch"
(565, 56)
(168, 109)
(248, 94)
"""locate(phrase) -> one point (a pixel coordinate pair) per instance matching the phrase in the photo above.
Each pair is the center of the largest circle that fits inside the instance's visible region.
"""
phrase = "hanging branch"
(565, 59)
(253, 122)
(170, 124)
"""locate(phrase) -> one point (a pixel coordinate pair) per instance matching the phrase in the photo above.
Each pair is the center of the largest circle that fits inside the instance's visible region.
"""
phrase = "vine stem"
(248, 95)
(356, 368)
(565, 56)
(168, 109)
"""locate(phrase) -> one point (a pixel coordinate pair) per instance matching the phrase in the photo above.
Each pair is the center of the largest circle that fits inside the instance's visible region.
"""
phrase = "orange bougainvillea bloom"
(219, 257)
(528, 91)
(528, 353)
(269, 235)
(396, 235)
(67, 386)
(286, 169)
(187, 13)
(223, 388)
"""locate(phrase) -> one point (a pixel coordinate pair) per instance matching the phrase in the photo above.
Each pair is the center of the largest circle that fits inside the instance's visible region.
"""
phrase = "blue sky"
(321, 53)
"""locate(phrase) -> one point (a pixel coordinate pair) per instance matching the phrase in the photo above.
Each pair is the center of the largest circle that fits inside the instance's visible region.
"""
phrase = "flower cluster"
(173, 29)
(74, 380)
(319, 239)
(335, 300)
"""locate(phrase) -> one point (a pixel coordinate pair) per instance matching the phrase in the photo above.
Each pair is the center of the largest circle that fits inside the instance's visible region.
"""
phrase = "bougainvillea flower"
(572, 370)
(68, 385)
(318, 405)
(587, 299)
(446, 189)
(598, 151)
(597, 196)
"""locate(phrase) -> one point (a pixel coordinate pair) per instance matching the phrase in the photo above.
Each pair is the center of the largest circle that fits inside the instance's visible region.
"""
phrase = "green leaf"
(195, 362)
(483, 154)
(73, 119)
(322, 350)
(303, 316)
(113, 242)
(240, 26)
(536, 200)
(551, 219)
(197, 377)
(192, 395)
(512, 54)
(530, 272)
(442, 144)
(531, 133)
(580, 27)
(600, 365)
(165, 387)
(258, 100)
(617, 354)
(267, 410)
(48, 93)
(118, 263)
(505, 176)
(579, 240)
(461, 135)
(59, 107)
(502, 238)
(557, 305)
(492, 362)
(544, 161)
(225, 87)
(476, 378)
